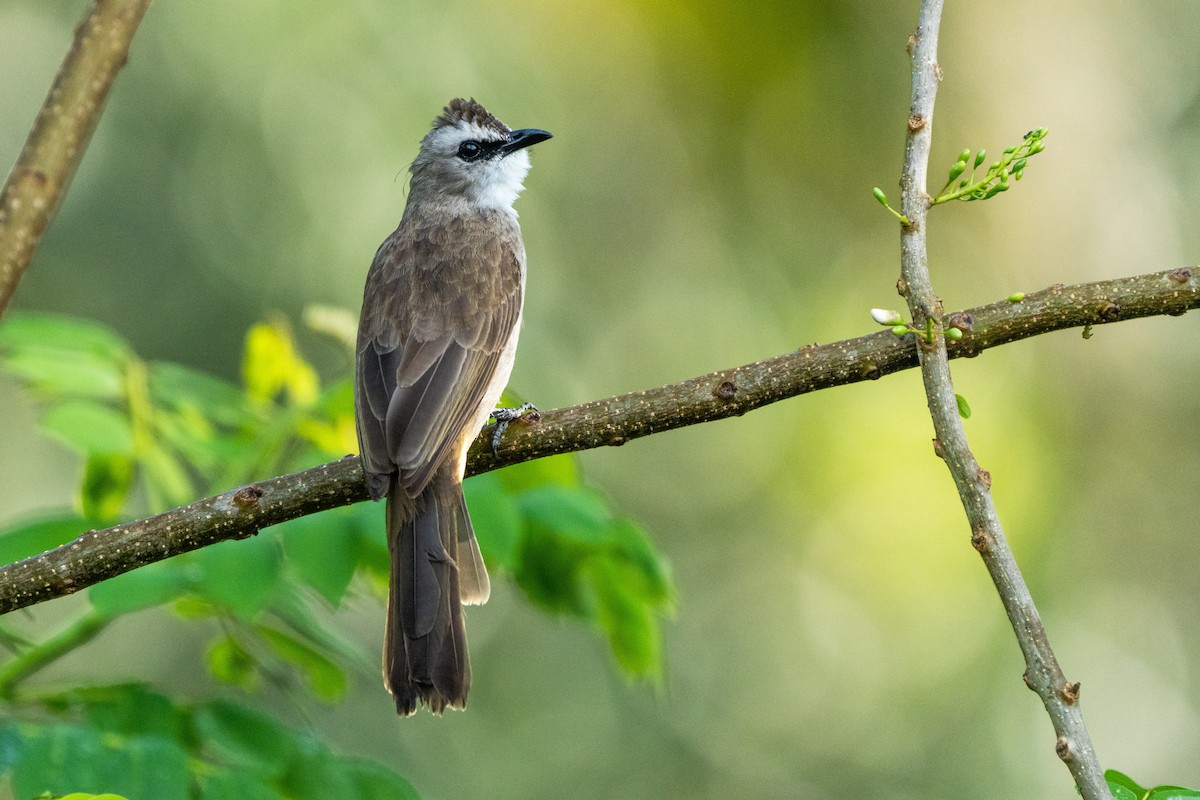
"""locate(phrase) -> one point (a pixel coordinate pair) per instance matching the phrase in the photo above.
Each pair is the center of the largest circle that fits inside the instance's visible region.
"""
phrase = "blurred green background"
(705, 202)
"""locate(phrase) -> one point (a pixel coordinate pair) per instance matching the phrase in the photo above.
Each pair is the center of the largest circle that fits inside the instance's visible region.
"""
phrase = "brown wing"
(441, 302)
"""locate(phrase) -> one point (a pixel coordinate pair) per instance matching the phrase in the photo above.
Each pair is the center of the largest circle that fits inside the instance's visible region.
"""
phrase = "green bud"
(900, 330)
(879, 195)
(953, 334)
(1040, 133)
(965, 156)
(982, 154)
(1008, 151)
(1015, 297)
(1020, 164)
(886, 316)
(958, 169)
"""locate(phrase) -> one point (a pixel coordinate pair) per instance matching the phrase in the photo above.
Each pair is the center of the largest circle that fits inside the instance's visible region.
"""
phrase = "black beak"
(523, 138)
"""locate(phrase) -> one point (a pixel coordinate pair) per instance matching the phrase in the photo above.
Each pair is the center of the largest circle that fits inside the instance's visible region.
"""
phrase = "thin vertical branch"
(1043, 673)
(43, 172)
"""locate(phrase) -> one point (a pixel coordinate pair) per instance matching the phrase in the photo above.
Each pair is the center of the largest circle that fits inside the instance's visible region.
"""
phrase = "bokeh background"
(705, 202)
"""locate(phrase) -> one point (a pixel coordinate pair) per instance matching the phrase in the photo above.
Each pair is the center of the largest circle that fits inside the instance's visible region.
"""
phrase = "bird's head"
(471, 156)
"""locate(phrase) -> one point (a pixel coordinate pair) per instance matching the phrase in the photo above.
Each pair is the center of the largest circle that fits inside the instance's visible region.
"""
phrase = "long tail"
(436, 567)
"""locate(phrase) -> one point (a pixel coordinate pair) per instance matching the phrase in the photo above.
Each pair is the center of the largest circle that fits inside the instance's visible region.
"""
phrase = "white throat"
(497, 183)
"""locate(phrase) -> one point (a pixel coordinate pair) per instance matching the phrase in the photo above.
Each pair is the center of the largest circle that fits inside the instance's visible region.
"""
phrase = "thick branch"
(733, 392)
(1043, 673)
(55, 146)
(238, 513)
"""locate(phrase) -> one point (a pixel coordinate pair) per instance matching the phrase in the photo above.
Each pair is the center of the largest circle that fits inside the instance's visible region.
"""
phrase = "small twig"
(236, 514)
(55, 146)
(1043, 673)
(42, 654)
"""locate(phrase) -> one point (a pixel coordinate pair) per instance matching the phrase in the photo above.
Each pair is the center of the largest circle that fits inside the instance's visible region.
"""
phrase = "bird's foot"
(526, 412)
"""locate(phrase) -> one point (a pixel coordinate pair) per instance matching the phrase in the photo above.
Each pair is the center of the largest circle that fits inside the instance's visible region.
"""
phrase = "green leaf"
(289, 608)
(144, 587)
(187, 390)
(574, 512)
(26, 330)
(10, 746)
(241, 575)
(632, 630)
(565, 526)
(321, 775)
(650, 569)
(1172, 793)
(189, 606)
(560, 470)
(576, 559)
(1122, 786)
(322, 550)
(190, 434)
(89, 428)
(37, 536)
(230, 663)
(317, 776)
(106, 483)
(245, 737)
(63, 758)
(130, 709)
(66, 372)
(371, 781)
(168, 479)
(496, 520)
(964, 409)
(238, 784)
(325, 678)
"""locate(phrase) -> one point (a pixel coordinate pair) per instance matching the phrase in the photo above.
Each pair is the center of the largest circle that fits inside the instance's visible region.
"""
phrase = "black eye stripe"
(474, 150)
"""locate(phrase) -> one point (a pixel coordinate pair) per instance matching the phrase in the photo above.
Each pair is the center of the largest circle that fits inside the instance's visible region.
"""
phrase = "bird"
(436, 343)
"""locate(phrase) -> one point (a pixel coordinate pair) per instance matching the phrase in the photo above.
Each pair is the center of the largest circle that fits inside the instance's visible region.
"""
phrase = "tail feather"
(472, 574)
(425, 651)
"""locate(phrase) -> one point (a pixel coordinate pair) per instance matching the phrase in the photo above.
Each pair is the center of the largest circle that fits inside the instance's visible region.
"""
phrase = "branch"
(1043, 673)
(55, 146)
(242, 512)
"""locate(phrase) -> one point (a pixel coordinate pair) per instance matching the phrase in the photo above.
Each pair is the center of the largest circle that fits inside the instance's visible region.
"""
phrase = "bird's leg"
(526, 412)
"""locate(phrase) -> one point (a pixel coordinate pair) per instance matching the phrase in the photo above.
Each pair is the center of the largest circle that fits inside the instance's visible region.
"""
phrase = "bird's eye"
(469, 151)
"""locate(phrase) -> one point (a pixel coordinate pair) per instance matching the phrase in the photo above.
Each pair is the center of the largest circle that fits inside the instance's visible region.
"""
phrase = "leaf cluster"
(155, 434)
(1124, 787)
(137, 743)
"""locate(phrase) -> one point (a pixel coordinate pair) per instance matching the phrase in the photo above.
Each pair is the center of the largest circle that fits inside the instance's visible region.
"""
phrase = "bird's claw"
(526, 412)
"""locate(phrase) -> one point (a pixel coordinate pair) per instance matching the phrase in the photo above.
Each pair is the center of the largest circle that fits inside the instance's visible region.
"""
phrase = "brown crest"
(460, 110)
